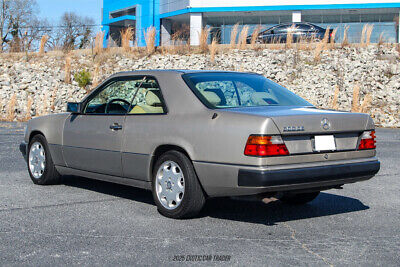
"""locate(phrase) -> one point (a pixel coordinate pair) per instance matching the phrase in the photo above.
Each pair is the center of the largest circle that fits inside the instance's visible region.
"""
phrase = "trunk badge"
(326, 156)
(326, 124)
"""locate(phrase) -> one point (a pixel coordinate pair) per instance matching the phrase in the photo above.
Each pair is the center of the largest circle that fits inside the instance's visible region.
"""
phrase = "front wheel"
(299, 199)
(176, 189)
(40, 164)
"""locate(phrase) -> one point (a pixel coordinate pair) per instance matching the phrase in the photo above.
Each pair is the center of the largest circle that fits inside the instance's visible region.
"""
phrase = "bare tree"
(74, 31)
(19, 25)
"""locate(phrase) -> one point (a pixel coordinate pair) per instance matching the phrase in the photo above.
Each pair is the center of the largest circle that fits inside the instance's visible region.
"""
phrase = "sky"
(53, 9)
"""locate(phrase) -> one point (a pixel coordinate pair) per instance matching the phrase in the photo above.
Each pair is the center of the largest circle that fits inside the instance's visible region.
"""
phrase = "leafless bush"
(150, 37)
(234, 34)
(243, 38)
(43, 42)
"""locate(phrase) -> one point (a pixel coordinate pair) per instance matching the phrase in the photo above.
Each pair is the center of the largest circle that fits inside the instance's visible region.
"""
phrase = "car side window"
(149, 99)
(114, 98)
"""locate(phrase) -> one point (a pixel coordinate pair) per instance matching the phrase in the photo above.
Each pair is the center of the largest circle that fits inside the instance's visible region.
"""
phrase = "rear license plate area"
(324, 143)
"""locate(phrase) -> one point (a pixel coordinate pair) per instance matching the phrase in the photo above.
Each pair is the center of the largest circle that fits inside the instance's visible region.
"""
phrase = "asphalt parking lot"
(84, 222)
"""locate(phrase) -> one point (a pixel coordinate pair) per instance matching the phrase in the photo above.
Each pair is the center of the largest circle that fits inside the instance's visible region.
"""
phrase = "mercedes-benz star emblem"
(325, 124)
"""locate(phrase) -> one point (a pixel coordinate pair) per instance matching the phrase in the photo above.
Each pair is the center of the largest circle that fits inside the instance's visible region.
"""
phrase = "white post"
(196, 24)
(296, 16)
(166, 27)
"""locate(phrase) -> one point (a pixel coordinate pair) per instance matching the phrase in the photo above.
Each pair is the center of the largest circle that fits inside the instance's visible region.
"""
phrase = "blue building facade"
(140, 14)
(168, 16)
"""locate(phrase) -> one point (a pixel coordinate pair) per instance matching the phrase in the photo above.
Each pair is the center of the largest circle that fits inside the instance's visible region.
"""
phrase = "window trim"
(106, 83)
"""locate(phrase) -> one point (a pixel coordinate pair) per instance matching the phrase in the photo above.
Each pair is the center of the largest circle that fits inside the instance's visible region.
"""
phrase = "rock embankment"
(375, 71)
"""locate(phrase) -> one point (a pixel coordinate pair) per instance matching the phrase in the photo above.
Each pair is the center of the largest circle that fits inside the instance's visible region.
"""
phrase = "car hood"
(304, 120)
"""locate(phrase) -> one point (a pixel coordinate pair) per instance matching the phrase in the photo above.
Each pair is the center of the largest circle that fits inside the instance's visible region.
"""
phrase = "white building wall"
(236, 3)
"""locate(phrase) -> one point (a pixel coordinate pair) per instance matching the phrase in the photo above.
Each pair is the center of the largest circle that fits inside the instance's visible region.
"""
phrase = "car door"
(92, 140)
(143, 126)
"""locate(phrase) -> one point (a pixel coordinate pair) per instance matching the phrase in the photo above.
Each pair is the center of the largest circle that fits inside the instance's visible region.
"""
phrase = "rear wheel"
(176, 189)
(40, 165)
(299, 199)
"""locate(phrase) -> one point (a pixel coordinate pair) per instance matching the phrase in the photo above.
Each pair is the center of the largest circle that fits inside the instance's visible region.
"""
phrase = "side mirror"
(74, 108)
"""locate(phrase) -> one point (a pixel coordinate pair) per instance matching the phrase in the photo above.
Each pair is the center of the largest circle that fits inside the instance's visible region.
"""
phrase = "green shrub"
(83, 78)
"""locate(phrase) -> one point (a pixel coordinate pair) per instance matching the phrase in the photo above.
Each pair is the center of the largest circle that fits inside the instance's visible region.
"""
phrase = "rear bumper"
(220, 180)
(316, 176)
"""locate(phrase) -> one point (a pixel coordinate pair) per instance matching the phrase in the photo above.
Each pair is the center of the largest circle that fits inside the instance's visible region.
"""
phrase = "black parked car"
(300, 31)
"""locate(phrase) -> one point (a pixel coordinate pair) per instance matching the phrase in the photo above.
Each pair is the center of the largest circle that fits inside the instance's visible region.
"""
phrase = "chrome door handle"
(116, 127)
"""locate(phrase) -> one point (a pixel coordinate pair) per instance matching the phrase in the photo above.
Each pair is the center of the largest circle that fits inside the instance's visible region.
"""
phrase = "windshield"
(234, 90)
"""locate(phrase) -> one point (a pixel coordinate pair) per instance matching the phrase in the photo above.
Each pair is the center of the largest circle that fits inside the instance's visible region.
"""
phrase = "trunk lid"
(299, 126)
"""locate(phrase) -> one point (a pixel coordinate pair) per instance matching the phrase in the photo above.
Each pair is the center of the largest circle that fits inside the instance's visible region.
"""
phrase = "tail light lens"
(367, 141)
(265, 146)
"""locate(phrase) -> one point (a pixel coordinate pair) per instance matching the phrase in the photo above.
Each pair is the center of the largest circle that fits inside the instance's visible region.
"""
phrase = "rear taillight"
(265, 146)
(367, 141)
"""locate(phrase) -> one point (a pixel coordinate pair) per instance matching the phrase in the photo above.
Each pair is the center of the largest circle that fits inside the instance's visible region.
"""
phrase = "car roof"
(172, 71)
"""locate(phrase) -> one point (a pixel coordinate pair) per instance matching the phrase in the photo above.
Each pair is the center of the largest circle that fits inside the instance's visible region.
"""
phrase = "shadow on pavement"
(274, 212)
(235, 209)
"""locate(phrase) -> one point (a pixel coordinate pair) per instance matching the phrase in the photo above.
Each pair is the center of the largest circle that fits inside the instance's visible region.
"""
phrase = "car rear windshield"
(234, 90)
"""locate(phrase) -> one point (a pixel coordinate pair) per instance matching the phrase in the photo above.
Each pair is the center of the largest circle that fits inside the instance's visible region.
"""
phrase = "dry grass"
(10, 116)
(43, 110)
(335, 104)
(355, 105)
(67, 70)
(126, 38)
(96, 76)
(366, 104)
(43, 42)
(53, 99)
(150, 37)
(368, 34)
(345, 41)
(243, 38)
(289, 37)
(234, 34)
(213, 49)
(28, 115)
(254, 36)
(333, 37)
(98, 43)
(204, 34)
(318, 51)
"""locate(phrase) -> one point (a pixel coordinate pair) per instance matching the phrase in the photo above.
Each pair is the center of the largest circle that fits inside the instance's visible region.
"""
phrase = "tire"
(299, 199)
(176, 188)
(45, 172)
